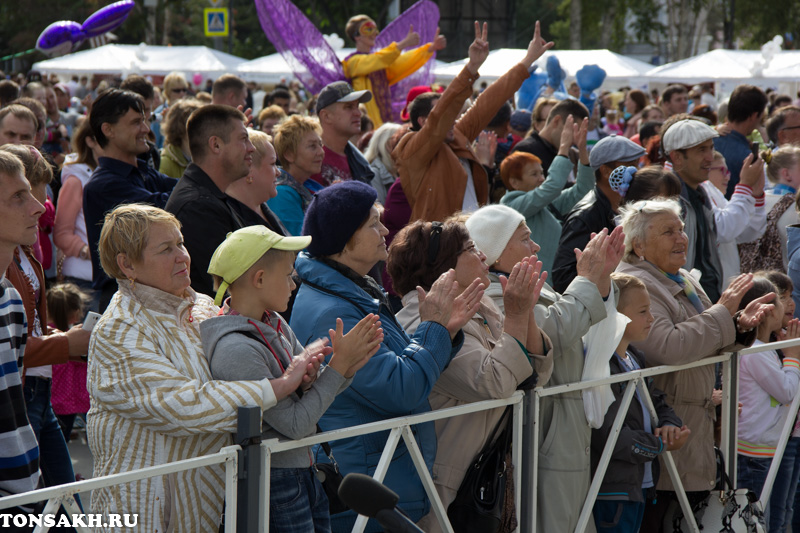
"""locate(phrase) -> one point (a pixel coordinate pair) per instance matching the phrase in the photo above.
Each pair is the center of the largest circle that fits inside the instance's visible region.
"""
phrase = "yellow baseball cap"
(241, 249)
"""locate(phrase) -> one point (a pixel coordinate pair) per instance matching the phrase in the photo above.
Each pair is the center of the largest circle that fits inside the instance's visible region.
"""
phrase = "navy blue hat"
(521, 120)
(334, 215)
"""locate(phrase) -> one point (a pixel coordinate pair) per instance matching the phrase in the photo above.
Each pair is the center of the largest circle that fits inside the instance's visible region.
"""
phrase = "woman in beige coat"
(687, 328)
(499, 354)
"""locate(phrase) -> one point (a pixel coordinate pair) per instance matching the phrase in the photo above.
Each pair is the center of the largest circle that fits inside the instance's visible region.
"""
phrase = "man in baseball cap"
(688, 144)
(596, 210)
(340, 118)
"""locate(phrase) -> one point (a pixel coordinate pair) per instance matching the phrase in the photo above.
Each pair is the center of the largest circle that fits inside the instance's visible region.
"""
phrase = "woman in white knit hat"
(501, 233)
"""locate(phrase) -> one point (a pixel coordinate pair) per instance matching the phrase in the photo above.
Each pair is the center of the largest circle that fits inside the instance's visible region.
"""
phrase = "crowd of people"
(335, 268)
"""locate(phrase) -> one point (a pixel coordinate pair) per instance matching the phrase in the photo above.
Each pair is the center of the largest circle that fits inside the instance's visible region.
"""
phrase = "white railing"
(400, 428)
(65, 494)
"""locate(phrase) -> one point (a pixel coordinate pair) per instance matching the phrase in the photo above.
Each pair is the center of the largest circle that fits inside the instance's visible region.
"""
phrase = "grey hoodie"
(240, 348)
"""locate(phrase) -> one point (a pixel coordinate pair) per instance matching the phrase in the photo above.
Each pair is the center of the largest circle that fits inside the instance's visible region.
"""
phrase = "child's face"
(532, 176)
(776, 318)
(719, 175)
(636, 306)
(788, 307)
(277, 284)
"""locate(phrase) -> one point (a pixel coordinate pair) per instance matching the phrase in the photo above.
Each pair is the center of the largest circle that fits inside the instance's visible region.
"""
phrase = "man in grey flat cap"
(596, 210)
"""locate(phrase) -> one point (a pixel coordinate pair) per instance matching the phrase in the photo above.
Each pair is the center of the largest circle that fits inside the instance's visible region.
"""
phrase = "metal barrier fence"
(253, 490)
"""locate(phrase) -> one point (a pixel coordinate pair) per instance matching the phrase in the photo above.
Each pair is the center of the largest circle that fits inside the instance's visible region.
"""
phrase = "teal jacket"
(545, 227)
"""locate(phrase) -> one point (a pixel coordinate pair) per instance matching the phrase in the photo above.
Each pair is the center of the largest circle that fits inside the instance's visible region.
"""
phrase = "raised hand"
(579, 139)
(536, 47)
(353, 351)
(756, 311)
(522, 287)
(752, 174)
(439, 42)
(486, 147)
(792, 331)
(567, 136)
(437, 304)
(732, 296)
(411, 40)
(479, 49)
(465, 306)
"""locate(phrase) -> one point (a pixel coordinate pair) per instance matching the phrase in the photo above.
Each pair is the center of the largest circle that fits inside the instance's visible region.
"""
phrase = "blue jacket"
(396, 381)
(793, 254)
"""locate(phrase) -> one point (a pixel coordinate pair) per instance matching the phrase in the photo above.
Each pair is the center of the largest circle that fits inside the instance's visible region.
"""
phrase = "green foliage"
(757, 23)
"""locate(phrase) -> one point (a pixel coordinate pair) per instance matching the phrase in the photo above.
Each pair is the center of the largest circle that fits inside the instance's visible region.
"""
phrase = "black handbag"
(329, 475)
(479, 503)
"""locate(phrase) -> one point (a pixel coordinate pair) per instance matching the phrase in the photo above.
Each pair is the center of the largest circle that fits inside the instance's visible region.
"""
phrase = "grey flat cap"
(614, 148)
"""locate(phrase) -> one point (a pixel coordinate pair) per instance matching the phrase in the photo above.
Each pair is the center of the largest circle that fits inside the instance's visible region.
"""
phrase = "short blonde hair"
(125, 231)
(625, 283)
(289, 134)
(173, 80)
(271, 112)
(636, 217)
(260, 141)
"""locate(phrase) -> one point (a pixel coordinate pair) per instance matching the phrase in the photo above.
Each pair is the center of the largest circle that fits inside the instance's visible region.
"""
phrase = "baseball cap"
(242, 248)
(340, 91)
(614, 148)
(685, 134)
(63, 88)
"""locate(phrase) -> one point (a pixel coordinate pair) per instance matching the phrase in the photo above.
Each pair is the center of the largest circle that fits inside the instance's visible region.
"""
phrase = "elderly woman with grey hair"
(687, 327)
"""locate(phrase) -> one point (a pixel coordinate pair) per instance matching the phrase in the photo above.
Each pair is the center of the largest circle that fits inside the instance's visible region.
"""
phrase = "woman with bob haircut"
(501, 351)
(298, 144)
(348, 241)
(687, 327)
(153, 399)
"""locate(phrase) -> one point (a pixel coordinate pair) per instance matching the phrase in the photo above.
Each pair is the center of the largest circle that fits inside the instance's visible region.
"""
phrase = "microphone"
(375, 500)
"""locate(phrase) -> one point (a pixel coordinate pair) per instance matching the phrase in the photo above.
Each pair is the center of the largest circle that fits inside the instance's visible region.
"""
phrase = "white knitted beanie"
(491, 227)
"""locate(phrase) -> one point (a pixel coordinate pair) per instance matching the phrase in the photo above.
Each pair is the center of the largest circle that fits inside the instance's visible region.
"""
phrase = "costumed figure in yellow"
(377, 71)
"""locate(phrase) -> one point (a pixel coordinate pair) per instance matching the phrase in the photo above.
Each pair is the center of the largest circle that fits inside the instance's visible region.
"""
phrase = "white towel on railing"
(599, 344)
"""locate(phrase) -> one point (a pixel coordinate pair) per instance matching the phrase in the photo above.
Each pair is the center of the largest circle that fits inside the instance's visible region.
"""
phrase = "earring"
(249, 179)
(133, 283)
(641, 258)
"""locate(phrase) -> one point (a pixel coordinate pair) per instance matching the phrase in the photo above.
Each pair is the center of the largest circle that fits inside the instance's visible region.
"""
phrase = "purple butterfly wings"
(314, 62)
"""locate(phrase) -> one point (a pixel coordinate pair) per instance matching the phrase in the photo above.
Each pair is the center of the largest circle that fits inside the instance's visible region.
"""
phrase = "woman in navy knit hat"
(348, 240)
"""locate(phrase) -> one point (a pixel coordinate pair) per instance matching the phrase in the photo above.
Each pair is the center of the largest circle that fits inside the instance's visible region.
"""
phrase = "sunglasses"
(725, 171)
(181, 90)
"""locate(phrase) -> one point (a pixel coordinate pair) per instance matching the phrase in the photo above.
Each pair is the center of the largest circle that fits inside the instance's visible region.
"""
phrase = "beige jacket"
(490, 365)
(681, 335)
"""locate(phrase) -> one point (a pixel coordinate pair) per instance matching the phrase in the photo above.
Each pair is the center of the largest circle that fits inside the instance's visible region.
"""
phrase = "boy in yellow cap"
(250, 339)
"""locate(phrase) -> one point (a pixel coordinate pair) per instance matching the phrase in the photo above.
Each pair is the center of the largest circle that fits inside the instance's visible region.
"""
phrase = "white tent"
(273, 68)
(730, 65)
(618, 67)
(142, 59)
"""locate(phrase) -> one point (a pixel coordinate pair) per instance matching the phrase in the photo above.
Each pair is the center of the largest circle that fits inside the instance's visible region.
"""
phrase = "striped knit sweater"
(19, 451)
(766, 389)
(154, 402)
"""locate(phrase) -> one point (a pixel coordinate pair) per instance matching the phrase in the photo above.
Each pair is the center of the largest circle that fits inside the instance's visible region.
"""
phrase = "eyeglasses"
(180, 90)
(725, 171)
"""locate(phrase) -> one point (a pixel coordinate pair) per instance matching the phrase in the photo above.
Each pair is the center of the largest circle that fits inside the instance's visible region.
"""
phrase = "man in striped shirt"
(19, 451)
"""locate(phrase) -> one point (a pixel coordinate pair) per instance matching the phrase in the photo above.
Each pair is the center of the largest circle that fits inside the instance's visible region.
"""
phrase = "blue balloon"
(60, 38)
(108, 18)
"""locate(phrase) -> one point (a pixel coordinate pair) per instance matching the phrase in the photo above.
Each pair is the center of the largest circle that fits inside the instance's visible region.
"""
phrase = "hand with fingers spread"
(486, 147)
(755, 312)
(536, 47)
(522, 287)
(731, 296)
(479, 49)
(439, 42)
(353, 351)
(437, 304)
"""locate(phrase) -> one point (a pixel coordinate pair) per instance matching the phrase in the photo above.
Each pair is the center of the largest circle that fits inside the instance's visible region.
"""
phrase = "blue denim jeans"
(781, 502)
(54, 460)
(297, 502)
(751, 474)
(618, 516)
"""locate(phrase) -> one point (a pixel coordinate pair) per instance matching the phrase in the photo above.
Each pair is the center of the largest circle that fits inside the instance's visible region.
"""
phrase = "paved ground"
(82, 462)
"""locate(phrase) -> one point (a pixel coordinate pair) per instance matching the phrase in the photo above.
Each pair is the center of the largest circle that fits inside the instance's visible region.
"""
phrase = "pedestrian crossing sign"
(215, 21)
